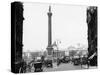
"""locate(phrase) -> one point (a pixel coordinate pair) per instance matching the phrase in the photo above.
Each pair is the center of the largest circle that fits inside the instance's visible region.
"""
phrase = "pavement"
(90, 67)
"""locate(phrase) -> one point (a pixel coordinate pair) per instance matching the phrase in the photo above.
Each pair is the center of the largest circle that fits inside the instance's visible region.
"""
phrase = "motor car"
(65, 59)
(84, 60)
(76, 60)
(38, 65)
(48, 61)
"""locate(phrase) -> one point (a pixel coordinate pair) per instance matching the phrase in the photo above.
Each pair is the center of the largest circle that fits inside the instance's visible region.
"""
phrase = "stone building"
(92, 32)
(16, 35)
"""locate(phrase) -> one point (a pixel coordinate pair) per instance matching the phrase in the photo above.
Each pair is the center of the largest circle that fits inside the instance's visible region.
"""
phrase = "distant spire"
(49, 8)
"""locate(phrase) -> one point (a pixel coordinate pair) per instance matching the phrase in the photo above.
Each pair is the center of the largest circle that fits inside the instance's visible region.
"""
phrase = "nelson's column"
(49, 47)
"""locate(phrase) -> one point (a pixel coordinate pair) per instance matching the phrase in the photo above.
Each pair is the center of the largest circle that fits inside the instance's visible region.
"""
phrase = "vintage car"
(76, 60)
(48, 61)
(38, 65)
(84, 60)
(66, 59)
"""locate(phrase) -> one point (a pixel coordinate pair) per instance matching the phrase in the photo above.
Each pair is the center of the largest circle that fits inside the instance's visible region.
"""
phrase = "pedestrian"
(58, 61)
(81, 62)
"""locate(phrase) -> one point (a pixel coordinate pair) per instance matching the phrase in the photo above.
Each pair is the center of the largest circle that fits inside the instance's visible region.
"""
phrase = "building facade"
(16, 35)
(92, 32)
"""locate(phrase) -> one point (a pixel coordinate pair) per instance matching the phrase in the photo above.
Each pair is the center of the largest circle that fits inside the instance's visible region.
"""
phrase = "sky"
(68, 25)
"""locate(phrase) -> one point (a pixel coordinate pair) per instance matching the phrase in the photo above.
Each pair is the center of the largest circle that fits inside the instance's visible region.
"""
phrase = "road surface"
(63, 67)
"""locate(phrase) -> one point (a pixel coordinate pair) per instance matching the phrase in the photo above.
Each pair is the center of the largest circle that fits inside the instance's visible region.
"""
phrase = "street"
(62, 67)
